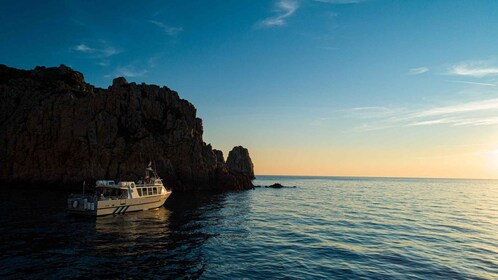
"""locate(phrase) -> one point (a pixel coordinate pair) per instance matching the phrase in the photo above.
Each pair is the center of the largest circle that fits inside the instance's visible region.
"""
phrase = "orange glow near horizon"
(450, 141)
(377, 163)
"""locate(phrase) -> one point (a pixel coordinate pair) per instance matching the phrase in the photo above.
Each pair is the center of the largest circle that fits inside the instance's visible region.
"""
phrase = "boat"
(111, 198)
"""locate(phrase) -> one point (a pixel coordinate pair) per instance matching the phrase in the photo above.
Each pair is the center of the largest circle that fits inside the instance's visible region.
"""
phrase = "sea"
(324, 228)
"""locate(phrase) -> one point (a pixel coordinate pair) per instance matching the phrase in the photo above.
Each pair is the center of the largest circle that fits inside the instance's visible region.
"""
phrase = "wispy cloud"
(473, 83)
(476, 69)
(284, 9)
(459, 122)
(169, 30)
(373, 112)
(103, 63)
(418, 70)
(474, 113)
(84, 48)
(130, 71)
(431, 122)
(475, 106)
(99, 52)
(340, 1)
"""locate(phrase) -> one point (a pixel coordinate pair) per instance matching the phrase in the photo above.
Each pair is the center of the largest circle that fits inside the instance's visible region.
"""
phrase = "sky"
(310, 87)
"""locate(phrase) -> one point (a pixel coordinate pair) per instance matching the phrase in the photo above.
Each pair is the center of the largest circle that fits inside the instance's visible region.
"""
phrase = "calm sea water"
(344, 228)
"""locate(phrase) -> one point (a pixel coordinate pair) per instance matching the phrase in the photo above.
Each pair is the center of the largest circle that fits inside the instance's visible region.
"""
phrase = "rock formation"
(239, 161)
(57, 129)
(275, 186)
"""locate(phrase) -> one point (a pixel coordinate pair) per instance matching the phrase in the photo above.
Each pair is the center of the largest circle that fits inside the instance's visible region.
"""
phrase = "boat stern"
(81, 205)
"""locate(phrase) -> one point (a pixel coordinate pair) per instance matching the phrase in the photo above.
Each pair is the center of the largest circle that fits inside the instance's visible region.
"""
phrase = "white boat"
(112, 198)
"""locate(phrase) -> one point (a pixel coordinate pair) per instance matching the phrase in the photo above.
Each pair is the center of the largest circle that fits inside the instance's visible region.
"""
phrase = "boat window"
(150, 191)
(144, 191)
(139, 190)
(155, 190)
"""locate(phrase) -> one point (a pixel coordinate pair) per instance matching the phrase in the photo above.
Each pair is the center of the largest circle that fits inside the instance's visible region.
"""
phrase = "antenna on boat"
(155, 170)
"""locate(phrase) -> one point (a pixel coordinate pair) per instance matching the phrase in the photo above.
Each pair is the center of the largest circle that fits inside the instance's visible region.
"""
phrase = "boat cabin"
(109, 190)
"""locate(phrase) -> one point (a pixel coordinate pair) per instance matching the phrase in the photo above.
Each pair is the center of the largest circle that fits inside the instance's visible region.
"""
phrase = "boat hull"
(115, 206)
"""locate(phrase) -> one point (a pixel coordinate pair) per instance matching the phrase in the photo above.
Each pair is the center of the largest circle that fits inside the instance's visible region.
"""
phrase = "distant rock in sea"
(57, 129)
(275, 186)
(278, 186)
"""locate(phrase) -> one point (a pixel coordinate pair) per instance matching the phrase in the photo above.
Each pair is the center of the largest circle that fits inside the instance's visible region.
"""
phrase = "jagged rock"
(239, 161)
(57, 129)
(119, 82)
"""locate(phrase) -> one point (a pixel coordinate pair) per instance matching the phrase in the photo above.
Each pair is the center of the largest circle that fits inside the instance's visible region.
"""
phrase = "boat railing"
(89, 198)
(112, 197)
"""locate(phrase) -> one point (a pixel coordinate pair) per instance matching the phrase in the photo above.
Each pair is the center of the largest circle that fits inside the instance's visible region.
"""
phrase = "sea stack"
(56, 129)
(239, 161)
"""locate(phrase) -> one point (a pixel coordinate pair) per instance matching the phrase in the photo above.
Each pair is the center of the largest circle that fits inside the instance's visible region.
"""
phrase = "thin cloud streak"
(474, 83)
(478, 122)
(340, 1)
(129, 71)
(475, 113)
(169, 30)
(285, 8)
(104, 63)
(476, 106)
(373, 112)
(103, 52)
(432, 122)
(476, 69)
(418, 70)
(460, 122)
(84, 48)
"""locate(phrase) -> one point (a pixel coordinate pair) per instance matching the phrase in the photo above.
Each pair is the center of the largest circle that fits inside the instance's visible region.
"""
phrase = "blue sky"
(353, 81)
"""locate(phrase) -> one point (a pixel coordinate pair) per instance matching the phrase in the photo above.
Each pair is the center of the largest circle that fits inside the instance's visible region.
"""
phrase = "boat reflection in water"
(166, 242)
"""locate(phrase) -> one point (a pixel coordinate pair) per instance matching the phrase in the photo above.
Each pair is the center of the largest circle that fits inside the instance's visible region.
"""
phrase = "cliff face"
(57, 129)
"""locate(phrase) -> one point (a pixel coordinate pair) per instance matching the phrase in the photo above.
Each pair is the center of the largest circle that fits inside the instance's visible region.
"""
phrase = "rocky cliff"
(57, 129)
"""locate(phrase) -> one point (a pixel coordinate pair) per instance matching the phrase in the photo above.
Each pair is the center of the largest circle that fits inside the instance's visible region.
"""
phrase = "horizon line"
(379, 177)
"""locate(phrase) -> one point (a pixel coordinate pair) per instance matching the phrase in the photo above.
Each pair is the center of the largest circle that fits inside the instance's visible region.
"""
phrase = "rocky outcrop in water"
(57, 129)
(275, 186)
(239, 161)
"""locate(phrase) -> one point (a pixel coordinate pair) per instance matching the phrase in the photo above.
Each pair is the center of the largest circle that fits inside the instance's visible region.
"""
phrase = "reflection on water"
(325, 228)
(39, 240)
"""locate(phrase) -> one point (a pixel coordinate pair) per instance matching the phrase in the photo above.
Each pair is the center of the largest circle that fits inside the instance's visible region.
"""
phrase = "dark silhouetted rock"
(239, 161)
(120, 81)
(276, 186)
(57, 129)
